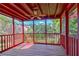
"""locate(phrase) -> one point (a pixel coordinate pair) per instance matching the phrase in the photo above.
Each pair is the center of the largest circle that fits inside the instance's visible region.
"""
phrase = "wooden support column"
(78, 17)
(23, 30)
(78, 29)
(33, 32)
(61, 30)
(67, 31)
(13, 33)
(46, 31)
(60, 25)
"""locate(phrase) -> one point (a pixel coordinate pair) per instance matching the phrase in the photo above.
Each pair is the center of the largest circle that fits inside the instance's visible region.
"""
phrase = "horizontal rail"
(42, 33)
(10, 34)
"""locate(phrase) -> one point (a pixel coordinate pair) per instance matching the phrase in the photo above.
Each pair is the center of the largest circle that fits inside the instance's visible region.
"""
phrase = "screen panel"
(18, 26)
(39, 26)
(50, 26)
(18, 31)
(44, 29)
(53, 27)
(73, 23)
(28, 27)
(6, 29)
(28, 31)
(39, 31)
(6, 25)
(56, 24)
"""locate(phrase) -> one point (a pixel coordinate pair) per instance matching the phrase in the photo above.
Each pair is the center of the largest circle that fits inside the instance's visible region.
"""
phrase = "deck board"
(35, 50)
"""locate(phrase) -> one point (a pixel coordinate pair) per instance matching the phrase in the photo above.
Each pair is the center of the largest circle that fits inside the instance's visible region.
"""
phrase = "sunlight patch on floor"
(24, 46)
(28, 45)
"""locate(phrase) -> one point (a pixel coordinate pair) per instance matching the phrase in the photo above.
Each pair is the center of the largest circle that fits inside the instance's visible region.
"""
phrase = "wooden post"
(67, 31)
(78, 28)
(46, 31)
(13, 33)
(60, 30)
(23, 30)
(33, 32)
(60, 25)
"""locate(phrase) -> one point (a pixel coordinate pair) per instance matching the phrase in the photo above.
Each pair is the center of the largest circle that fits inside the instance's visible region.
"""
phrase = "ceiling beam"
(56, 10)
(27, 8)
(19, 9)
(7, 12)
(40, 8)
(9, 9)
(8, 15)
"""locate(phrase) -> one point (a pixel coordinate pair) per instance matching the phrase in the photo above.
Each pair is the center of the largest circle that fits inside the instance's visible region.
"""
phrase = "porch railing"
(9, 41)
(73, 45)
(49, 38)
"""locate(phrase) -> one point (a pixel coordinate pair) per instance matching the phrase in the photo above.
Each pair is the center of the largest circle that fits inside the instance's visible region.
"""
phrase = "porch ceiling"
(24, 11)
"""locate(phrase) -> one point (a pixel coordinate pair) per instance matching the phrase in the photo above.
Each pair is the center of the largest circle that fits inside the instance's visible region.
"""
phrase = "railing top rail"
(10, 34)
(41, 33)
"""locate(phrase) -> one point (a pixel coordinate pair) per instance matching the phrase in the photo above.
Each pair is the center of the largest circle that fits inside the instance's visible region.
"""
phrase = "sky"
(38, 22)
(18, 22)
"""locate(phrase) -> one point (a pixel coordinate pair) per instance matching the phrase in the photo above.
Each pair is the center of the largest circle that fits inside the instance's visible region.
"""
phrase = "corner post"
(67, 31)
(78, 29)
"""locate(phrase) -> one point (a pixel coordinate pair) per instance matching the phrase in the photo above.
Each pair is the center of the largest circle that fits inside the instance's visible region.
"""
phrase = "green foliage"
(52, 27)
(5, 24)
(56, 24)
(73, 26)
(39, 28)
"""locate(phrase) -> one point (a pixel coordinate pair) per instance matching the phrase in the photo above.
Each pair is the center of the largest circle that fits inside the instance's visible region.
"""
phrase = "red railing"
(73, 45)
(9, 41)
(18, 38)
(49, 38)
(63, 40)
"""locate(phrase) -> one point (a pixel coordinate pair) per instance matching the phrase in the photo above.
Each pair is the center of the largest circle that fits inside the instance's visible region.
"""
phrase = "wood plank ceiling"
(25, 11)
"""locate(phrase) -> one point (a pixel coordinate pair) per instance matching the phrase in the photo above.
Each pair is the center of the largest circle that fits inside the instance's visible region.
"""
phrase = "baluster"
(1, 43)
(7, 42)
(4, 43)
(11, 40)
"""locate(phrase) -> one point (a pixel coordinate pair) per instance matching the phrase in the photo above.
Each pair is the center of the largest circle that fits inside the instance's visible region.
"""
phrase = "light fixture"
(36, 14)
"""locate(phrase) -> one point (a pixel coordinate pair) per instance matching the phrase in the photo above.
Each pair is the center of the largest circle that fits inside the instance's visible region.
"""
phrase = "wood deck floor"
(35, 50)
